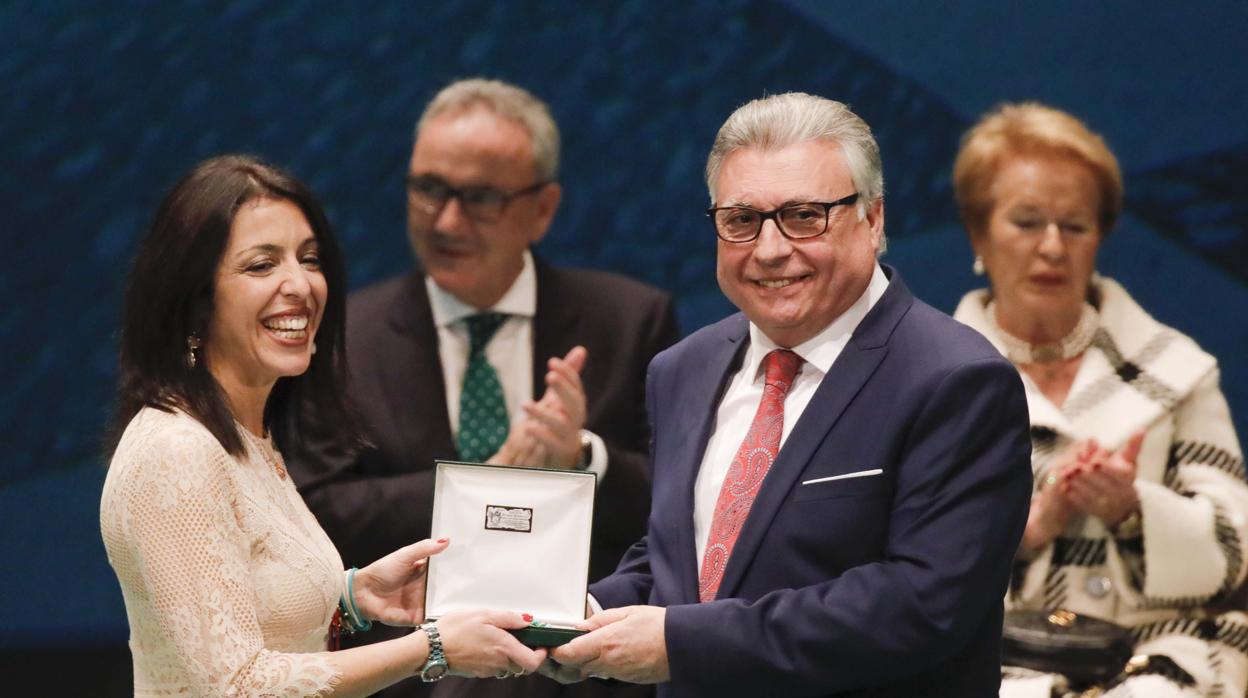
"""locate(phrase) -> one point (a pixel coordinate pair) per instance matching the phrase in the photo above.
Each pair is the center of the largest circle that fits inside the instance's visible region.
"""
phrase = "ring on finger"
(504, 674)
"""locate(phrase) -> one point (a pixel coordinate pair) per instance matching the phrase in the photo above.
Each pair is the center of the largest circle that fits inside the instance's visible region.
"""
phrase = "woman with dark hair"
(233, 314)
(1140, 510)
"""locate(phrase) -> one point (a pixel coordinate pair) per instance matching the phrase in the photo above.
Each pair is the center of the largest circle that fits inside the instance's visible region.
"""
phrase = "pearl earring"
(977, 267)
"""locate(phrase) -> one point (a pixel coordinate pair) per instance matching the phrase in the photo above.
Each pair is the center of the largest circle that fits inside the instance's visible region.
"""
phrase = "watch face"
(434, 672)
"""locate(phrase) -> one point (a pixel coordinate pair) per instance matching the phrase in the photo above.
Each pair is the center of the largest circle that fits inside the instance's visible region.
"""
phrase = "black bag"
(1082, 648)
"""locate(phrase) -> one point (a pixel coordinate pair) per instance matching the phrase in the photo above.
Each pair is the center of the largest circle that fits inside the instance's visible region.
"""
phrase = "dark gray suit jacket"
(378, 500)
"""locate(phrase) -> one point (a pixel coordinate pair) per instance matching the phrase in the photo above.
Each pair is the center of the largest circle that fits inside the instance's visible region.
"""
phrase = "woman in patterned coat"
(231, 586)
(1140, 508)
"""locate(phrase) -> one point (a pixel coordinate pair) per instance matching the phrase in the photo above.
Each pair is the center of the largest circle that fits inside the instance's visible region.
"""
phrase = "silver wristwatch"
(435, 667)
(586, 454)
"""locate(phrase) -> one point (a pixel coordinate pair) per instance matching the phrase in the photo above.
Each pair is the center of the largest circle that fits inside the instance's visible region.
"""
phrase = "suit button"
(1098, 587)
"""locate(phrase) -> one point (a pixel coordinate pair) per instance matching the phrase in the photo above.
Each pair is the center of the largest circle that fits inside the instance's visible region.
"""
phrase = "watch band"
(435, 668)
(586, 454)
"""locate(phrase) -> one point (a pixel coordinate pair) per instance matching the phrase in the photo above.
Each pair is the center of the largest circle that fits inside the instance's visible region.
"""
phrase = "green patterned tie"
(483, 424)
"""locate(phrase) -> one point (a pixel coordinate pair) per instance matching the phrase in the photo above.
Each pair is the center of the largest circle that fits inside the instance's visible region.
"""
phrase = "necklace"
(266, 451)
(1020, 351)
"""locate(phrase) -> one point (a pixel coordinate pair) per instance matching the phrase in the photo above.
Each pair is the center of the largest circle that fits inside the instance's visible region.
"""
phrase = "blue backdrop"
(106, 104)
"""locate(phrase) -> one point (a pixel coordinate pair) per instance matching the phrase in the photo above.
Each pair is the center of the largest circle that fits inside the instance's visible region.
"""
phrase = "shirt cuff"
(593, 604)
(598, 455)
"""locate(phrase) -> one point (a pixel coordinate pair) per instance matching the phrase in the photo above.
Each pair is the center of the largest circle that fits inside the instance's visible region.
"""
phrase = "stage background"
(107, 103)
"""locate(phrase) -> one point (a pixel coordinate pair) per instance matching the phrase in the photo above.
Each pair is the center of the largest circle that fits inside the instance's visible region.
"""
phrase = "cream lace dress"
(229, 582)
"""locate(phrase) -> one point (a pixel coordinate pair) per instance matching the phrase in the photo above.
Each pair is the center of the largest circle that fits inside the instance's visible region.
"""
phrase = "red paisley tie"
(749, 467)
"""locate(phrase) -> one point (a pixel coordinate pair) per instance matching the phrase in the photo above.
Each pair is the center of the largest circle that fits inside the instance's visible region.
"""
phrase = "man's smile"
(780, 283)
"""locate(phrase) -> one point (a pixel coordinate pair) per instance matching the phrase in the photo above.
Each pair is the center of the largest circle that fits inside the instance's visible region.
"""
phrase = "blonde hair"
(1029, 129)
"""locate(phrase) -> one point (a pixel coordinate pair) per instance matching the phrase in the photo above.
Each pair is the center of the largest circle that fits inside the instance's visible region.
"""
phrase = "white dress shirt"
(509, 351)
(745, 390)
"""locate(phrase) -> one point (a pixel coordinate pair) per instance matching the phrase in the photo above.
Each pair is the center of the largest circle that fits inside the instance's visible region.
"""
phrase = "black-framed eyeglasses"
(482, 204)
(796, 221)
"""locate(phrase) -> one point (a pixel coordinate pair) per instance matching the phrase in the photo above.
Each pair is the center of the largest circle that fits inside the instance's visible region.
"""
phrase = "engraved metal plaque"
(503, 518)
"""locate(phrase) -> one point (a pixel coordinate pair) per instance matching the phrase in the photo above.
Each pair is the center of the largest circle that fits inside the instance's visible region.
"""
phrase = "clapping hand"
(1085, 479)
(556, 420)
(550, 433)
(520, 448)
(1102, 483)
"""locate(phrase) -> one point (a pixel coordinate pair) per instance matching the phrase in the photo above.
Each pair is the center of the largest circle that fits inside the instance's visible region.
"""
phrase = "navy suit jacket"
(888, 585)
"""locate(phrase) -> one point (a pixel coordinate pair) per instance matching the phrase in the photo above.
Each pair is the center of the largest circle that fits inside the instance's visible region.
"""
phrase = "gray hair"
(782, 120)
(509, 102)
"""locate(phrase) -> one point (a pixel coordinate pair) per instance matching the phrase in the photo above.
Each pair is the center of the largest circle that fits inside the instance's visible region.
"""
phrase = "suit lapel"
(414, 389)
(554, 322)
(858, 361)
(710, 374)
(415, 392)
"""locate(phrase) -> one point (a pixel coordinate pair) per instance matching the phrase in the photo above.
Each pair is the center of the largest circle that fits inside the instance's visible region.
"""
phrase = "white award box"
(519, 542)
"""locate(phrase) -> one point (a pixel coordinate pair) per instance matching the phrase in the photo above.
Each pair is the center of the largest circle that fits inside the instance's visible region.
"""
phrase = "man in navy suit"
(858, 541)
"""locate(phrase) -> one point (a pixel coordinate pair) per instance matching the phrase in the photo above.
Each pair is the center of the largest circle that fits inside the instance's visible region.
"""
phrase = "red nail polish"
(443, 540)
(528, 618)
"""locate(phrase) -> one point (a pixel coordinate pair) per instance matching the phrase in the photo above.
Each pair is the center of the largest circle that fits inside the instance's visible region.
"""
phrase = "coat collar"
(713, 366)
(553, 321)
(411, 315)
(410, 361)
(1136, 370)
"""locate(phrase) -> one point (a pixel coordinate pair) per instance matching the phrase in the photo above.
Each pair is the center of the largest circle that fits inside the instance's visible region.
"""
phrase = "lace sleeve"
(190, 597)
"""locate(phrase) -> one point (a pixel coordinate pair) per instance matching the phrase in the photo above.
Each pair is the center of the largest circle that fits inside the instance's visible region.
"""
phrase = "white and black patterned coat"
(1140, 374)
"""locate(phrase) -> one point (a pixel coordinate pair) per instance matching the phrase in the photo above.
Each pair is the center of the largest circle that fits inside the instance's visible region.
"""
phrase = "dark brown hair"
(169, 297)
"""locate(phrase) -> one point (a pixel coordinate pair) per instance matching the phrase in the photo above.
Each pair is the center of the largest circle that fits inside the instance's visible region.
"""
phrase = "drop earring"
(192, 343)
(313, 348)
(977, 267)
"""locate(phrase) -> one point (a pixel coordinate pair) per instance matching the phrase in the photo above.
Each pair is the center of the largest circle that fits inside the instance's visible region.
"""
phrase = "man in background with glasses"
(487, 354)
(842, 473)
